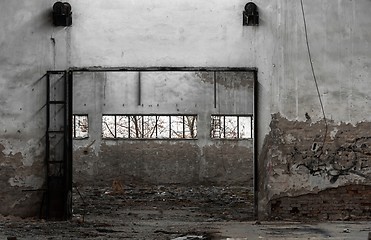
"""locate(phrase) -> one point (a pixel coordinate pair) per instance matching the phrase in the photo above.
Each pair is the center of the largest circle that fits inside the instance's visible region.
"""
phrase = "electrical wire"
(313, 73)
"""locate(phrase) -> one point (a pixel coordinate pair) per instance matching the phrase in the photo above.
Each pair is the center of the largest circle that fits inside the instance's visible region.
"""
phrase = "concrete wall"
(293, 160)
(202, 160)
(25, 56)
(196, 34)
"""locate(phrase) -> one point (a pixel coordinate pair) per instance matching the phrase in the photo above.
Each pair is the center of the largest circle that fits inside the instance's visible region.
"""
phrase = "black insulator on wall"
(250, 15)
(62, 14)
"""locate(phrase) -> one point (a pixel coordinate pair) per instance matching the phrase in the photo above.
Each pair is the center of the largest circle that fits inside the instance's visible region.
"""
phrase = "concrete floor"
(154, 213)
(165, 229)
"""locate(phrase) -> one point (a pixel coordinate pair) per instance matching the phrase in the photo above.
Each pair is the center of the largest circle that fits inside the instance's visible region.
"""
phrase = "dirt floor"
(171, 212)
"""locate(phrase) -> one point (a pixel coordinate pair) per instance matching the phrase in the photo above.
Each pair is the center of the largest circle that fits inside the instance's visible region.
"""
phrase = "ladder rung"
(34, 190)
(56, 131)
(55, 177)
(57, 102)
(56, 71)
(55, 161)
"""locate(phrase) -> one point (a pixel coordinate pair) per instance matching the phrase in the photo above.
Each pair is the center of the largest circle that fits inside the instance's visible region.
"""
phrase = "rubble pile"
(219, 203)
(139, 212)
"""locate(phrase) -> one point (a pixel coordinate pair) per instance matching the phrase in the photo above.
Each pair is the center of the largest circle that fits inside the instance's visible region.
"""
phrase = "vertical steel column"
(58, 154)
(139, 89)
(215, 92)
(47, 145)
(69, 145)
(255, 149)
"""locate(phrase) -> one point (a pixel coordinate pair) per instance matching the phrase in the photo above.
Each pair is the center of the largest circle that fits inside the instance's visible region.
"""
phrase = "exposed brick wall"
(343, 203)
(305, 175)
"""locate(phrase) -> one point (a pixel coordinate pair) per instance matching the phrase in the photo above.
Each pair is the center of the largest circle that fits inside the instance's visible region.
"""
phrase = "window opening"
(231, 127)
(163, 127)
(177, 126)
(122, 127)
(149, 126)
(108, 127)
(190, 128)
(136, 127)
(80, 126)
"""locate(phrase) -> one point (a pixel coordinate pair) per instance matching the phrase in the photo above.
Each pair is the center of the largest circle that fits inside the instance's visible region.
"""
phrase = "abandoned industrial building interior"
(185, 119)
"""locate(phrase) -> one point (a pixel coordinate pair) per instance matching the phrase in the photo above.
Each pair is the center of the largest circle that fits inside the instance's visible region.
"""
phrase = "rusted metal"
(67, 180)
(58, 146)
(162, 69)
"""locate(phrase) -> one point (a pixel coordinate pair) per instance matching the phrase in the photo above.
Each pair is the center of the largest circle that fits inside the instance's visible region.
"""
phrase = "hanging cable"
(313, 73)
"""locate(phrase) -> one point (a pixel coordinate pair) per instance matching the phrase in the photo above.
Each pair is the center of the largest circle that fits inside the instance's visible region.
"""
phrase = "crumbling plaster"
(299, 160)
(24, 59)
(184, 33)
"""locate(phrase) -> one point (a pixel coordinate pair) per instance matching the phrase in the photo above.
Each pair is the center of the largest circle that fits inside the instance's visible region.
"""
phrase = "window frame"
(238, 126)
(156, 129)
(74, 126)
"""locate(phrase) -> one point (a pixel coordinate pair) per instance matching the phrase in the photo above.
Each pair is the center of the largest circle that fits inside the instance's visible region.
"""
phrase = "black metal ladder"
(58, 201)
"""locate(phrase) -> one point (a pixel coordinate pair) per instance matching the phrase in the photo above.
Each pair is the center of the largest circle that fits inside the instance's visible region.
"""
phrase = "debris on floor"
(210, 202)
(169, 213)
(191, 237)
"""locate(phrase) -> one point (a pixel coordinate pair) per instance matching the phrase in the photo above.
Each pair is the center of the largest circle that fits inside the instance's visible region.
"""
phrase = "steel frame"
(69, 111)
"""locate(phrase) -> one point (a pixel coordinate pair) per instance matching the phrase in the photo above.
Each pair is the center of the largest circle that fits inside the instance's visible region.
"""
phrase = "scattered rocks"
(138, 212)
(190, 237)
(225, 203)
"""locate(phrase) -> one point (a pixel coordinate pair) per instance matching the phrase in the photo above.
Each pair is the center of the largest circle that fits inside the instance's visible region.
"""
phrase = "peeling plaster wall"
(186, 33)
(290, 164)
(25, 56)
(299, 161)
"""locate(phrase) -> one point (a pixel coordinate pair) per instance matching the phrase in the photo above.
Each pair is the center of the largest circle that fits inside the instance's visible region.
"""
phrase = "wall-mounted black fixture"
(250, 15)
(62, 14)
